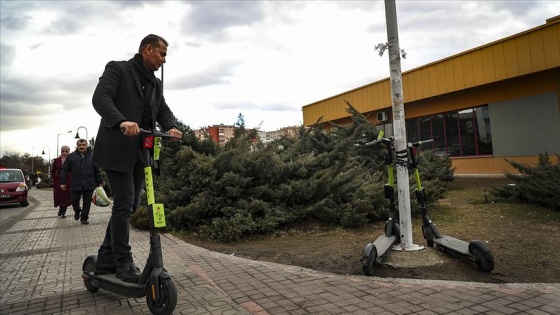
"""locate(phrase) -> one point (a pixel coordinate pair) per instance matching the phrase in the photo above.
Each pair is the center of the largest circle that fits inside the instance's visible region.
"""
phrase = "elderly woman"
(61, 198)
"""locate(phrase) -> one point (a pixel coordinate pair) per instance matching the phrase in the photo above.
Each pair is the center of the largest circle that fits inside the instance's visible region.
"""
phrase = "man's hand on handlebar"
(130, 128)
(175, 133)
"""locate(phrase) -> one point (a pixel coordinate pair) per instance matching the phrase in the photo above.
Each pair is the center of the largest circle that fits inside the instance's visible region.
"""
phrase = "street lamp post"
(78, 135)
(57, 137)
(49, 162)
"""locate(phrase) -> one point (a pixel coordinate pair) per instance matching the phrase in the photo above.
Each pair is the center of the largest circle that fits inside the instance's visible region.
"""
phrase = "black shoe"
(59, 212)
(63, 216)
(76, 216)
(128, 273)
(84, 221)
(102, 268)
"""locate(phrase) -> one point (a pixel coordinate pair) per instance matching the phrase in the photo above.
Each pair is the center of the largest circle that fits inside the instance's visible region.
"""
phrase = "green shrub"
(140, 219)
(233, 228)
(246, 188)
(538, 184)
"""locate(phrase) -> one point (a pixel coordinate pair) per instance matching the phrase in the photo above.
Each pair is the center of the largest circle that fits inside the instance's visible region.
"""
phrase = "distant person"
(85, 178)
(28, 181)
(127, 97)
(62, 198)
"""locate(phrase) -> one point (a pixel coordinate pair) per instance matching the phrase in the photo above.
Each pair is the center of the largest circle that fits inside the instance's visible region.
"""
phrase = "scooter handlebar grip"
(420, 143)
(426, 141)
(369, 144)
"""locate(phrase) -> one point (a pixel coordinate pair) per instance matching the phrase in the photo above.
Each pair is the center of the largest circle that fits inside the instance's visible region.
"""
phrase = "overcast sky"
(263, 59)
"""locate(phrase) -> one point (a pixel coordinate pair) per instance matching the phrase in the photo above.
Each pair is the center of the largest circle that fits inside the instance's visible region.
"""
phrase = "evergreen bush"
(537, 184)
(247, 188)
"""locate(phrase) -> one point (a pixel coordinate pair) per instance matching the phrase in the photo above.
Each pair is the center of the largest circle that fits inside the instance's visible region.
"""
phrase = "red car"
(12, 187)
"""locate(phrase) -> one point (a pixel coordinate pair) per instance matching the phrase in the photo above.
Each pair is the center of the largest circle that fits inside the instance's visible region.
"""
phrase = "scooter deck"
(452, 243)
(383, 244)
(111, 283)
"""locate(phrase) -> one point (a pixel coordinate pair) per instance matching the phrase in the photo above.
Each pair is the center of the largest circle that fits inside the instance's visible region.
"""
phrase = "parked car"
(13, 188)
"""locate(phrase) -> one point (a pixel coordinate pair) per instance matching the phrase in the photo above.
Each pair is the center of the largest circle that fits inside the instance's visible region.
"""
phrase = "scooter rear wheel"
(167, 300)
(484, 258)
(372, 259)
(428, 235)
(89, 266)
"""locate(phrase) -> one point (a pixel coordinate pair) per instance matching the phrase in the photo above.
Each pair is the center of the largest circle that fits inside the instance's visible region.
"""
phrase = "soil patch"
(523, 239)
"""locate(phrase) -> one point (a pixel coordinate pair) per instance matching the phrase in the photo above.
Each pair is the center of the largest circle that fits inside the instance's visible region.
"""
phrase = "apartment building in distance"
(221, 133)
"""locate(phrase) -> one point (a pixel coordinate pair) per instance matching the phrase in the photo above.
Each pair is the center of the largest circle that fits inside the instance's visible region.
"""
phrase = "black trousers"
(126, 188)
(84, 210)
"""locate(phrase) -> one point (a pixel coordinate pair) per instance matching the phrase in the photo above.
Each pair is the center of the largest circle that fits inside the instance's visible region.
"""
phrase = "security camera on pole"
(399, 127)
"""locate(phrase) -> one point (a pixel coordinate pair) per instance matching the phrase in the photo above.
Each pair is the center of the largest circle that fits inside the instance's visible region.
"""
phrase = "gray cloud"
(72, 16)
(209, 18)
(7, 55)
(26, 102)
(36, 92)
(217, 74)
(11, 16)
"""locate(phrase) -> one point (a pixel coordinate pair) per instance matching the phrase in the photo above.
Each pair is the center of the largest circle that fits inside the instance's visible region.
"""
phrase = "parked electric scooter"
(382, 246)
(154, 283)
(475, 251)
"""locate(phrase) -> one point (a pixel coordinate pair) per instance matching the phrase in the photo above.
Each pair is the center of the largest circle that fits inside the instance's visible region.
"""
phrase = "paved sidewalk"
(41, 257)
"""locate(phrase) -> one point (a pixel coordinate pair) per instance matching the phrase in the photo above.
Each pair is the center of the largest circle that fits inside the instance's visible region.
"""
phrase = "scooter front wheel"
(369, 268)
(167, 300)
(89, 266)
(484, 258)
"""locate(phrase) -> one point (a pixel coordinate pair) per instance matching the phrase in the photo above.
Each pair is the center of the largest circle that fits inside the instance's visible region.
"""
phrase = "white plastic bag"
(100, 198)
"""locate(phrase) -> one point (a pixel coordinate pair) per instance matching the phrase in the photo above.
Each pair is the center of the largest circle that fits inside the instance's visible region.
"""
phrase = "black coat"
(85, 176)
(119, 97)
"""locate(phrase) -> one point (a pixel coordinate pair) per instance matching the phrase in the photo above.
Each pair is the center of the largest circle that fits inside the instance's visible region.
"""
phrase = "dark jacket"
(119, 97)
(85, 176)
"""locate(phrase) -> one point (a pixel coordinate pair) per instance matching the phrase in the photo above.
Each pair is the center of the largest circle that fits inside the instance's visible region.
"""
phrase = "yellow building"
(497, 101)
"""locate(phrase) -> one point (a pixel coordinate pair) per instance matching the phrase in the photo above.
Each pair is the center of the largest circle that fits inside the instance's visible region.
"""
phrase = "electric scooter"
(154, 283)
(475, 251)
(375, 252)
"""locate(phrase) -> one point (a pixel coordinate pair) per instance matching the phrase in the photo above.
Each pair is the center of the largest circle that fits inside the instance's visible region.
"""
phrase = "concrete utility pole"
(399, 127)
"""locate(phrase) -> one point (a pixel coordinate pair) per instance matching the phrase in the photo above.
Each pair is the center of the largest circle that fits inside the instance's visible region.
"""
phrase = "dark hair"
(80, 141)
(151, 40)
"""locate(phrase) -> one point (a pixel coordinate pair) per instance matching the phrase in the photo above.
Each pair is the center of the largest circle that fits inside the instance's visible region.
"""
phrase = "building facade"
(221, 134)
(290, 132)
(491, 103)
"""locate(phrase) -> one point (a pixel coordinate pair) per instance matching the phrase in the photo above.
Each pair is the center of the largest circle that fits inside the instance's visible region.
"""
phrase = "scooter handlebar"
(156, 133)
(376, 141)
(371, 143)
(420, 143)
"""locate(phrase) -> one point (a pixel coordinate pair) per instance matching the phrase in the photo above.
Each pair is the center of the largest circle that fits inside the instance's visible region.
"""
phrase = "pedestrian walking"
(85, 178)
(61, 198)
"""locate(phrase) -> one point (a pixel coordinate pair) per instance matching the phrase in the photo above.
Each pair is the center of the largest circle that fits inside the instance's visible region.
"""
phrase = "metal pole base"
(411, 248)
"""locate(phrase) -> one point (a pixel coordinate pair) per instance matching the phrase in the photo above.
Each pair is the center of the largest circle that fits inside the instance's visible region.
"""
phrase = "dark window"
(452, 134)
(457, 133)
(412, 130)
(438, 133)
